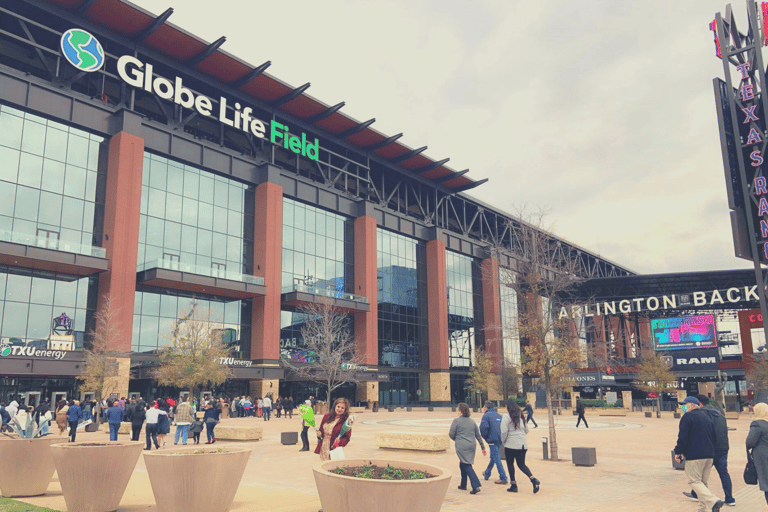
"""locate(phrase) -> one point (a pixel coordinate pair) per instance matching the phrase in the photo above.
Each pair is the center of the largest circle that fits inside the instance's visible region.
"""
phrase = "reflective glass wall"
(194, 220)
(465, 308)
(29, 300)
(155, 314)
(402, 308)
(318, 249)
(51, 193)
(509, 315)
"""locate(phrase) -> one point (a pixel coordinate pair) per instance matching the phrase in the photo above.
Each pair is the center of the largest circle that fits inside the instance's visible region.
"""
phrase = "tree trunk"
(551, 417)
(658, 402)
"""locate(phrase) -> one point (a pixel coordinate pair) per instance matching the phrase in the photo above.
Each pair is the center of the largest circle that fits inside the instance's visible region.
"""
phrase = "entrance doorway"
(58, 395)
(32, 399)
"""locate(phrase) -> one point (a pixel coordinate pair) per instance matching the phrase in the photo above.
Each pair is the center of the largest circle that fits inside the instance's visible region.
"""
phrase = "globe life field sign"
(84, 52)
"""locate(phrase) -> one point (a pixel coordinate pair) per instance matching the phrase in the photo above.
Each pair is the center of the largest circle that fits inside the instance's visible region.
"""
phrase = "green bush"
(602, 403)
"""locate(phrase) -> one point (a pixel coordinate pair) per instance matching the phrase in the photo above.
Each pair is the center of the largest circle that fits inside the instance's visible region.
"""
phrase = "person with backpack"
(490, 429)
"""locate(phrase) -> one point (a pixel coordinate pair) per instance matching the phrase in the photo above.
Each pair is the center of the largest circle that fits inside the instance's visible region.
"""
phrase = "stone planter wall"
(349, 494)
(28, 465)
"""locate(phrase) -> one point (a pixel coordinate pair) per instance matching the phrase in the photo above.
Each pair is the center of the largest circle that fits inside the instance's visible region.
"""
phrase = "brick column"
(366, 326)
(122, 211)
(267, 263)
(492, 312)
(437, 311)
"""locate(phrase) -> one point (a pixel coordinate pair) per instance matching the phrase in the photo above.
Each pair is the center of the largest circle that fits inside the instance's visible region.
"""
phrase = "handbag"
(750, 471)
(337, 453)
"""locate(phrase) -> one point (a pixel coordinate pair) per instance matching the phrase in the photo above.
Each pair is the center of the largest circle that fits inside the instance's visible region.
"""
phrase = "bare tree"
(509, 379)
(547, 268)
(328, 337)
(654, 376)
(195, 354)
(757, 375)
(100, 375)
(481, 375)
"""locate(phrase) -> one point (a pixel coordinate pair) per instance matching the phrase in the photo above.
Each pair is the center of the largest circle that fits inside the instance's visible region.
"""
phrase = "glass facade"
(292, 346)
(155, 315)
(194, 218)
(318, 248)
(465, 308)
(29, 300)
(509, 315)
(52, 193)
(402, 308)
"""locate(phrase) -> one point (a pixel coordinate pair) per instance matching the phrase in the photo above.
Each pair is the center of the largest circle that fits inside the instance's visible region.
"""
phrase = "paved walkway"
(633, 472)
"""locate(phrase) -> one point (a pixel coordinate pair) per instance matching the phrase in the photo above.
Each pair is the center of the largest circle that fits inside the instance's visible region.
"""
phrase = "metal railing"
(48, 242)
(200, 270)
(323, 292)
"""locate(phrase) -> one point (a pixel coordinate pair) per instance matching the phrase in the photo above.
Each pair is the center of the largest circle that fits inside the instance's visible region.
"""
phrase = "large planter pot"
(94, 475)
(176, 477)
(28, 466)
(340, 493)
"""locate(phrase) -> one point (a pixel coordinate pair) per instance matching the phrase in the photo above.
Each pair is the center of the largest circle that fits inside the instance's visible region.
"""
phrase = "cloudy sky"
(600, 111)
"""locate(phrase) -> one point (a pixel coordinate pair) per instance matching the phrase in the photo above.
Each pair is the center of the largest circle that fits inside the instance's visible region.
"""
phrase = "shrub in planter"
(196, 478)
(365, 485)
(115, 462)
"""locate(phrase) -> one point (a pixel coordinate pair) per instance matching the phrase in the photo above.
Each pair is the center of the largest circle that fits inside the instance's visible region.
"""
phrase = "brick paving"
(633, 472)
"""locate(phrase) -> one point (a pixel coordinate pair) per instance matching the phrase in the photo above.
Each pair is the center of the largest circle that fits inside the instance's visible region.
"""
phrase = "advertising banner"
(684, 333)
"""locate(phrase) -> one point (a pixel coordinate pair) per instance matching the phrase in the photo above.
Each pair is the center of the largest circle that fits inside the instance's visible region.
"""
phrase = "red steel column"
(267, 263)
(122, 213)
(437, 305)
(366, 323)
(492, 312)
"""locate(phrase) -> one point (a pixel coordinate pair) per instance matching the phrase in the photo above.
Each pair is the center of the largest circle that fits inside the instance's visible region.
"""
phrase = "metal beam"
(83, 7)
(468, 186)
(152, 27)
(251, 75)
(443, 179)
(325, 113)
(382, 143)
(356, 129)
(408, 155)
(433, 165)
(291, 95)
(207, 52)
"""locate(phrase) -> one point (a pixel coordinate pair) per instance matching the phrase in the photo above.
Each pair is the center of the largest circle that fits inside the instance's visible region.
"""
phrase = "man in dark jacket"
(490, 429)
(580, 411)
(114, 416)
(74, 415)
(138, 415)
(720, 460)
(529, 414)
(696, 445)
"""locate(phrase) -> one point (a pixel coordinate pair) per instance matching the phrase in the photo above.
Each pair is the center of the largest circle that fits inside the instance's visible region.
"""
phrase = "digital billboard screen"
(686, 332)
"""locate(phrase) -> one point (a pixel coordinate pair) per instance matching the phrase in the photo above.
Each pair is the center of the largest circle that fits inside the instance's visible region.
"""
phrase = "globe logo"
(6, 350)
(82, 50)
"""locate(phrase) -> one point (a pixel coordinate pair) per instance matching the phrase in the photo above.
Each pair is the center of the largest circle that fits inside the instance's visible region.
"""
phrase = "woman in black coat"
(163, 421)
(137, 416)
(757, 441)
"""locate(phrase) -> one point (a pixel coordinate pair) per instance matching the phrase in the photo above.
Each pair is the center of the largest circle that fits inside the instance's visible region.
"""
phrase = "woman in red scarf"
(328, 433)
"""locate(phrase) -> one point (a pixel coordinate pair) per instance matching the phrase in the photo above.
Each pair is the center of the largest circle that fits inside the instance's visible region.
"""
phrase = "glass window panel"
(155, 231)
(150, 304)
(82, 293)
(88, 217)
(33, 139)
(77, 150)
(65, 294)
(175, 180)
(73, 213)
(158, 175)
(191, 184)
(30, 170)
(93, 154)
(219, 219)
(15, 320)
(204, 242)
(235, 197)
(74, 182)
(173, 207)
(156, 203)
(50, 208)
(90, 186)
(9, 164)
(39, 322)
(221, 193)
(189, 211)
(53, 176)
(153, 254)
(299, 216)
(27, 203)
(288, 209)
(205, 216)
(7, 197)
(219, 248)
(168, 306)
(10, 130)
(149, 328)
(188, 239)
(18, 288)
(287, 236)
(172, 238)
(3, 277)
(56, 144)
(206, 189)
(311, 216)
(235, 223)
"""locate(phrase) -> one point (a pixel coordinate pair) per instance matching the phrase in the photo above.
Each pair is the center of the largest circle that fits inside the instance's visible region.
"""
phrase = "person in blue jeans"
(210, 418)
(74, 415)
(114, 416)
(183, 416)
(490, 429)
(464, 433)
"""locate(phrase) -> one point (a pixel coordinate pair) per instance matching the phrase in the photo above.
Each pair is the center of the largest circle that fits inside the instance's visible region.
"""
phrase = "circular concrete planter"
(30, 465)
(183, 480)
(349, 494)
(94, 475)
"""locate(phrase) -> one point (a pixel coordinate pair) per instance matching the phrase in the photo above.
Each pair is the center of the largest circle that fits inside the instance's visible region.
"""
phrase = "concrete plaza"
(633, 472)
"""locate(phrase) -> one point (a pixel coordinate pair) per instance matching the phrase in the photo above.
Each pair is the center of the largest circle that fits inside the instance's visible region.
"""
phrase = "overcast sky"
(600, 111)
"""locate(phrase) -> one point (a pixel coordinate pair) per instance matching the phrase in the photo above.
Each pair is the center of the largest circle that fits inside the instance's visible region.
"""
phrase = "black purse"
(750, 472)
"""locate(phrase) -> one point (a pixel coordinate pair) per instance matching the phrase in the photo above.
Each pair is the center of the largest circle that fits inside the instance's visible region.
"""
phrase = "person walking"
(163, 421)
(464, 432)
(138, 413)
(757, 442)
(153, 414)
(289, 406)
(490, 429)
(62, 413)
(43, 413)
(580, 411)
(114, 416)
(278, 406)
(529, 414)
(183, 421)
(238, 408)
(210, 418)
(304, 436)
(720, 461)
(696, 445)
(329, 432)
(74, 415)
(196, 429)
(259, 407)
(247, 406)
(266, 407)
(513, 435)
